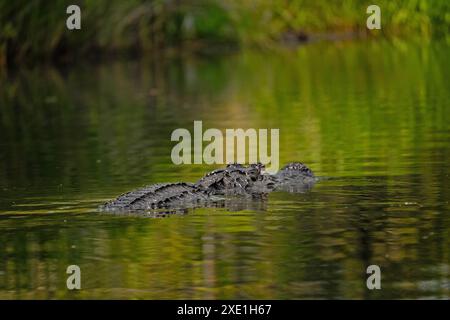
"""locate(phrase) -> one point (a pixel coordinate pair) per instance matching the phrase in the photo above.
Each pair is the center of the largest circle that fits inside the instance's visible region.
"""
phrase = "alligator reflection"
(231, 204)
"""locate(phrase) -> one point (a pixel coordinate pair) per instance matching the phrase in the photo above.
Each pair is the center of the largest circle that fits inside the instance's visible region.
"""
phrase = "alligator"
(235, 180)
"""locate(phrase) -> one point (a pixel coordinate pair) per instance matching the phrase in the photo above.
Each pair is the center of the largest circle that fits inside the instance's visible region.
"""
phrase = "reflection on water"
(372, 117)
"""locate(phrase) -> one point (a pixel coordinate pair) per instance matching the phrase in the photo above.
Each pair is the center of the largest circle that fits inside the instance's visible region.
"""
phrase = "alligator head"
(294, 177)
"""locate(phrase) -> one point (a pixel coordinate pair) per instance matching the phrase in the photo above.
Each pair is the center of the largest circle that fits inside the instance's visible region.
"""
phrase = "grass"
(35, 30)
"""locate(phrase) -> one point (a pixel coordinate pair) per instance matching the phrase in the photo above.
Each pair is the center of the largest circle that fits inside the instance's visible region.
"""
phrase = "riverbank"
(34, 32)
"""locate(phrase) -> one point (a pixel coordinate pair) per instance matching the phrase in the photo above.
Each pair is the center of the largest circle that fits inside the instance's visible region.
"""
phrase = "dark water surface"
(372, 117)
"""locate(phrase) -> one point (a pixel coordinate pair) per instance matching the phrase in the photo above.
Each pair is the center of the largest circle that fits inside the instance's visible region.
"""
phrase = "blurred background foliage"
(33, 30)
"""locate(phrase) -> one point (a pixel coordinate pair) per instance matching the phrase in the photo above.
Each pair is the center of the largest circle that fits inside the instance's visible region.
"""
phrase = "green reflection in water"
(372, 117)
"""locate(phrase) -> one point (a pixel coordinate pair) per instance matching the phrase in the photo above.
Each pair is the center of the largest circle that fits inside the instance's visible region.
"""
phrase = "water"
(372, 117)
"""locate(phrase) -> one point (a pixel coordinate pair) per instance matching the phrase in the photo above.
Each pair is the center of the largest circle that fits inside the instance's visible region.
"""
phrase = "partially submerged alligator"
(234, 180)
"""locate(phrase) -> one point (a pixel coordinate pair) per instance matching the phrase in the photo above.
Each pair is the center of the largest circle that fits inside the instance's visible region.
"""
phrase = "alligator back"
(162, 195)
(235, 179)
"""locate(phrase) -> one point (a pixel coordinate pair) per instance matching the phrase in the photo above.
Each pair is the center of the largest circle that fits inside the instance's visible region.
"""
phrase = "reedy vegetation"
(32, 30)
